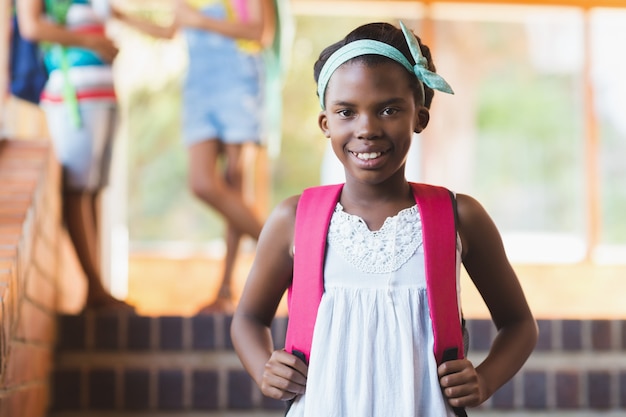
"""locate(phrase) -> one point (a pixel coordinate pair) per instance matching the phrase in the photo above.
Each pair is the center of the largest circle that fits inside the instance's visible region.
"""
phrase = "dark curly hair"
(389, 34)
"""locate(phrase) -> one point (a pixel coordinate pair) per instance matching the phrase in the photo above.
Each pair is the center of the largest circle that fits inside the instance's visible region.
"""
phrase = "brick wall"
(29, 232)
(118, 365)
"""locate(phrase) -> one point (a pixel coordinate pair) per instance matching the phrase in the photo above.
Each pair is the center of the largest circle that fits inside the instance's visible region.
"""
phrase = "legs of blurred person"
(223, 191)
(80, 214)
(84, 152)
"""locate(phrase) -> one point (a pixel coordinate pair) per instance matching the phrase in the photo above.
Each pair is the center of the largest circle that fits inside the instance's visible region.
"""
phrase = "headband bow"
(431, 79)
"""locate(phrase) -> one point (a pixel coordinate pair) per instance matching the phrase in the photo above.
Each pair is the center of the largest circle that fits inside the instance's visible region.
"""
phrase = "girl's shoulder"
(278, 229)
(468, 207)
(283, 215)
(475, 226)
(287, 207)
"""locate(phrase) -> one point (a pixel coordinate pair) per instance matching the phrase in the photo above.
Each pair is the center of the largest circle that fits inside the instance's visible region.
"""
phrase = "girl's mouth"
(367, 156)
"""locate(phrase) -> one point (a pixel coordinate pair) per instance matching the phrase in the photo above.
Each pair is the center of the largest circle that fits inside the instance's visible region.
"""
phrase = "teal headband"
(372, 47)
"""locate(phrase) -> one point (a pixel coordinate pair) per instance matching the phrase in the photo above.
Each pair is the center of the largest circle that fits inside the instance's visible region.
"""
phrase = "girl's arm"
(144, 25)
(260, 26)
(279, 374)
(36, 27)
(485, 260)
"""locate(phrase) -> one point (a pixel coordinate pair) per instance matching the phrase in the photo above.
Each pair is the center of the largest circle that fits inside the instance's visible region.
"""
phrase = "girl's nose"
(368, 127)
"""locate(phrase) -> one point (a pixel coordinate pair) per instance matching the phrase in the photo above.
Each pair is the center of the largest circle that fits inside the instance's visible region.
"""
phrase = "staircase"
(124, 365)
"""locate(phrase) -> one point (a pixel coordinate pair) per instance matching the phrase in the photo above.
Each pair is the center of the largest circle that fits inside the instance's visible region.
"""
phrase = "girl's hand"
(103, 46)
(284, 376)
(461, 384)
(185, 15)
(117, 13)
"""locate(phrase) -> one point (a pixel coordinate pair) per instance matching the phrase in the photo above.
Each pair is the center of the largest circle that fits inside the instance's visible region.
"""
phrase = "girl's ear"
(322, 121)
(422, 117)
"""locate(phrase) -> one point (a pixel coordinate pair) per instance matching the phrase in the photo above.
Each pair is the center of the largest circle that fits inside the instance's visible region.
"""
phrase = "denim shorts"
(222, 91)
(83, 152)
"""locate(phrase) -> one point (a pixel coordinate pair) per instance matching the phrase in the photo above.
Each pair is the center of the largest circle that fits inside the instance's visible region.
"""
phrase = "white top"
(372, 350)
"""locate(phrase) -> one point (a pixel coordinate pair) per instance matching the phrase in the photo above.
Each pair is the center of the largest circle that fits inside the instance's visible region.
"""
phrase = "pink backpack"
(437, 214)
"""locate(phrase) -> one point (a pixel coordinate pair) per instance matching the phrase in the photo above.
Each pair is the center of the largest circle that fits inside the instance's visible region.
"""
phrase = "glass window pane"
(513, 135)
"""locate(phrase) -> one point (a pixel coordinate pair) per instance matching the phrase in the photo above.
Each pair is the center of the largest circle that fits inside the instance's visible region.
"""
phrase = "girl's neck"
(375, 203)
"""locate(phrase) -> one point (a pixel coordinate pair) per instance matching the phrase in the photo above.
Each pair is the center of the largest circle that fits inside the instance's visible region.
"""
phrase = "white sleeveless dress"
(372, 350)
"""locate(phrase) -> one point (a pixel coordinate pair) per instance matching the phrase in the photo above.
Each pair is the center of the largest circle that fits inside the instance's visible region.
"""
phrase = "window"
(513, 136)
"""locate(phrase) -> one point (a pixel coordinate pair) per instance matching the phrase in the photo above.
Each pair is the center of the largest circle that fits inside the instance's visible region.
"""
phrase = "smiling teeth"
(368, 156)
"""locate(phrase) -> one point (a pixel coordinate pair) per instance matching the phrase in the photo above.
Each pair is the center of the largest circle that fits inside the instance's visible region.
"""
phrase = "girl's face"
(370, 117)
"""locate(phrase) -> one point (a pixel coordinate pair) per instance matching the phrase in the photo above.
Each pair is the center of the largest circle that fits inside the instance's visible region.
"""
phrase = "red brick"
(39, 400)
(16, 197)
(10, 300)
(170, 389)
(7, 264)
(67, 389)
(240, 388)
(599, 389)
(11, 226)
(601, 334)
(5, 330)
(14, 194)
(107, 330)
(18, 175)
(27, 363)
(13, 207)
(36, 325)
(46, 258)
(170, 333)
(40, 288)
(6, 318)
(567, 385)
(48, 226)
(504, 397)
(535, 390)
(7, 251)
(18, 187)
(102, 389)
(571, 337)
(9, 240)
(136, 389)
(22, 163)
(205, 390)
(22, 147)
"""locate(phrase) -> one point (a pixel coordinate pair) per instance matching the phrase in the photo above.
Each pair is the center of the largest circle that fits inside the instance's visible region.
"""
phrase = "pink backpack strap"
(315, 208)
(438, 213)
(439, 236)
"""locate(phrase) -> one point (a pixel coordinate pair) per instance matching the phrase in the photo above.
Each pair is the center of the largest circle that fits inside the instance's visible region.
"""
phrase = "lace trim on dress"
(380, 251)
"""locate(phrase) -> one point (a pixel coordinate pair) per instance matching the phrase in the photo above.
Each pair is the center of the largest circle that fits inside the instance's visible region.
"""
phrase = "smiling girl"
(372, 345)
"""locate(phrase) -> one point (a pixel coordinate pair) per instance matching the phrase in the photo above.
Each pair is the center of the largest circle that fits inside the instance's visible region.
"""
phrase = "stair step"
(118, 362)
(115, 364)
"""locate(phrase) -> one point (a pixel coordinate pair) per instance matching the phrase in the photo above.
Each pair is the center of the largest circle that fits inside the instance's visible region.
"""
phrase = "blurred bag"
(27, 72)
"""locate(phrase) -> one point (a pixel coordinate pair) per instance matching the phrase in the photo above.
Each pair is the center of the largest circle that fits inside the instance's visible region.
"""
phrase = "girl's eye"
(388, 111)
(345, 113)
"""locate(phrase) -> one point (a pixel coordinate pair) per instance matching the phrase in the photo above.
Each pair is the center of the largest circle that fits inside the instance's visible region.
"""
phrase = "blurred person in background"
(81, 112)
(223, 108)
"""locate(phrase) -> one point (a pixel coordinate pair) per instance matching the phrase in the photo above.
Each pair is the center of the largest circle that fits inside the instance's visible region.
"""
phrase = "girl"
(222, 107)
(81, 112)
(371, 353)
